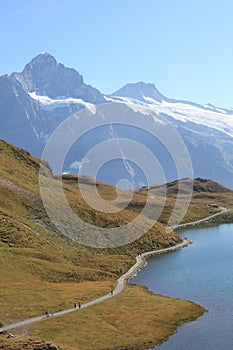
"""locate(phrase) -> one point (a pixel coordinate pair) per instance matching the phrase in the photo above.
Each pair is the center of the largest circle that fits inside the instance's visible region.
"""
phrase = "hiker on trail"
(79, 305)
(75, 305)
(46, 313)
(111, 292)
(10, 335)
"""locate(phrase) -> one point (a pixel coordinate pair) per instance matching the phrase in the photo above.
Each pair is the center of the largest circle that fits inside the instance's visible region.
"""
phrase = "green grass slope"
(43, 269)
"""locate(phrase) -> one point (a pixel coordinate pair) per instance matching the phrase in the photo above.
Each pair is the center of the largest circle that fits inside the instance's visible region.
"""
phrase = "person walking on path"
(79, 305)
(75, 305)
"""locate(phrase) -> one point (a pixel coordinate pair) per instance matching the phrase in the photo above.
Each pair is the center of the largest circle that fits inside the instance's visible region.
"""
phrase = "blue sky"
(184, 47)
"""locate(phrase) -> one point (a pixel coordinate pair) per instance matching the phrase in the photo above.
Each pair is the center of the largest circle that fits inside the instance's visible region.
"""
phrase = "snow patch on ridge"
(208, 116)
(137, 106)
(217, 118)
(48, 104)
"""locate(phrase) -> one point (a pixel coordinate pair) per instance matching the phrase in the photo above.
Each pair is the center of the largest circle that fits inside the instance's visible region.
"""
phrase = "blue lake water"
(203, 273)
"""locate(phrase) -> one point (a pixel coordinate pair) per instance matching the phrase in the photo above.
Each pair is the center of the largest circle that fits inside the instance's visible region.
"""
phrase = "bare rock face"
(45, 76)
(24, 121)
(18, 114)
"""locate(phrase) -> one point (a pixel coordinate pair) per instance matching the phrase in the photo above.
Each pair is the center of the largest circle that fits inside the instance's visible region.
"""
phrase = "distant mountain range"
(34, 102)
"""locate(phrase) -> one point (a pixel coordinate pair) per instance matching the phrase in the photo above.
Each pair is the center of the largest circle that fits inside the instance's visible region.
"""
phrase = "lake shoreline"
(141, 259)
(186, 334)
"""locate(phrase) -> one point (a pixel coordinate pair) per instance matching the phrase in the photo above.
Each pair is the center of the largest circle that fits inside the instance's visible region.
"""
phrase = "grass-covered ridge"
(42, 269)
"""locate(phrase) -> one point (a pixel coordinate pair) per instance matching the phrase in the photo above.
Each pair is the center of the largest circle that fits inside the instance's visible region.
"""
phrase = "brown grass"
(41, 269)
(134, 319)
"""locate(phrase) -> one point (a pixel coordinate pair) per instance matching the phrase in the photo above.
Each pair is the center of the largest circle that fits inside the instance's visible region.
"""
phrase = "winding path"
(193, 223)
(140, 262)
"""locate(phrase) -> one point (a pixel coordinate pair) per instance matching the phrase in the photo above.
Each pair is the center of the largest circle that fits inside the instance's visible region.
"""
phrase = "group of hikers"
(48, 313)
(79, 305)
(76, 305)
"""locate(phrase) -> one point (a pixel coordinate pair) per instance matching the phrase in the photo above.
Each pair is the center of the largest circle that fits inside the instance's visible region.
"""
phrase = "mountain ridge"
(36, 101)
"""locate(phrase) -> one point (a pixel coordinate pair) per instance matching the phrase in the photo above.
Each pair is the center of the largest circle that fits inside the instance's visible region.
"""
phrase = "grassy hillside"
(204, 194)
(42, 269)
(153, 319)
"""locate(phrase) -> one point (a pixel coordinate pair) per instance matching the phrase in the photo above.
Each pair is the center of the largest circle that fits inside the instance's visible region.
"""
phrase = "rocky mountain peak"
(140, 91)
(45, 76)
(42, 57)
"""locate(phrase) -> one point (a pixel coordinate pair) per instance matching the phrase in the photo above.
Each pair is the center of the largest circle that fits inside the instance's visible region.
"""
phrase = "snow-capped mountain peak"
(46, 77)
(140, 91)
(35, 101)
(148, 98)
